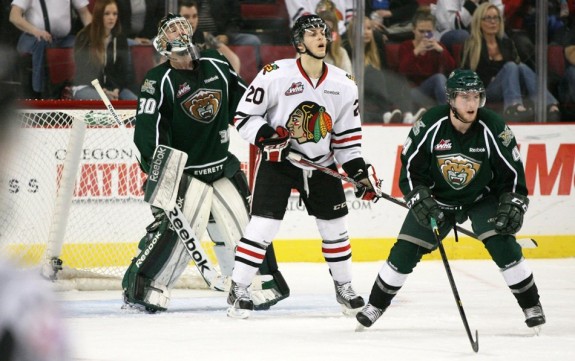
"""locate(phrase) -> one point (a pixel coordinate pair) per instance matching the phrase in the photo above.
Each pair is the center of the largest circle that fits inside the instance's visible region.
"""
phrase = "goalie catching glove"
(276, 146)
(512, 207)
(420, 201)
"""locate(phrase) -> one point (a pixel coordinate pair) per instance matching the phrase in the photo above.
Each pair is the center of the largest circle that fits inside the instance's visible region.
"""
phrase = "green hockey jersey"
(189, 110)
(461, 168)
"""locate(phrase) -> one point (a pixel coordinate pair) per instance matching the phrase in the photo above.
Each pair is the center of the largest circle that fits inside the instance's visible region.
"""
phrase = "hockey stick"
(177, 219)
(474, 343)
(523, 242)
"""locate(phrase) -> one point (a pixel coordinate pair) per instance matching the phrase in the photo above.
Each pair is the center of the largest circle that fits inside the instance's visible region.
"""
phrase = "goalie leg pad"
(230, 218)
(142, 282)
(163, 258)
(197, 203)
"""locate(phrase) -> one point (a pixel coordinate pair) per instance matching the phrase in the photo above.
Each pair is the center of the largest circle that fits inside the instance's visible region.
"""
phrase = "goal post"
(72, 190)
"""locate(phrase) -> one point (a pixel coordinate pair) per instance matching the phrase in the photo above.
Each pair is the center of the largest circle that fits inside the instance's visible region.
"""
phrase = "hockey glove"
(512, 207)
(371, 185)
(423, 206)
(276, 148)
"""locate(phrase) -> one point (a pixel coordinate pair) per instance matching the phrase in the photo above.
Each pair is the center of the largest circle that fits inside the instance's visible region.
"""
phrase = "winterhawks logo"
(295, 88)
(443, 145)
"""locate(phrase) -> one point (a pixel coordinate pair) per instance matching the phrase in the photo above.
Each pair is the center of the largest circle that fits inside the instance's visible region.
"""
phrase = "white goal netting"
(72, 190)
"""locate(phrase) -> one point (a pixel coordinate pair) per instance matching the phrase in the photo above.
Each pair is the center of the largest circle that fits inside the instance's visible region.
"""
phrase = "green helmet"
(463, 81)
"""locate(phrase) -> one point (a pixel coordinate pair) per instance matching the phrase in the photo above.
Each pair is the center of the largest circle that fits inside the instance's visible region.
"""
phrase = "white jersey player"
(311, 109)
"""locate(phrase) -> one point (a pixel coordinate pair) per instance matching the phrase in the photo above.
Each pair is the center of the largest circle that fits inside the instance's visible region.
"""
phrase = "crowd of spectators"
(430, 38)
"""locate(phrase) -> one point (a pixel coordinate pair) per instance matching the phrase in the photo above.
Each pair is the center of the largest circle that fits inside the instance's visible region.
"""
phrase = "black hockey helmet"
(464, 81)
(305, 22)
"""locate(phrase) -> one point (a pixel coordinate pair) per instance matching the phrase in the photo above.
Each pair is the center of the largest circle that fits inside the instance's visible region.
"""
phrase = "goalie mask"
(175, 37)
(464, 81)
(304, 23)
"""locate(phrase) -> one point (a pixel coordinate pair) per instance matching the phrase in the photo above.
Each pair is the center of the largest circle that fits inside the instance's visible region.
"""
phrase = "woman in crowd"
(386, 94)
(495, 59)
(101, 52)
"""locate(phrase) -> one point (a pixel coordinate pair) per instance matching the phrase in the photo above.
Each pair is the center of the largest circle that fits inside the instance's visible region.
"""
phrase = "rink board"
(548, 152)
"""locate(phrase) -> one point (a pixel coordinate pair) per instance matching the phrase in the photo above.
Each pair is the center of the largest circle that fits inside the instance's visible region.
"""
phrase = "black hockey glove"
(512, 207)
(420, 201)
(371, 185)
(275, 148)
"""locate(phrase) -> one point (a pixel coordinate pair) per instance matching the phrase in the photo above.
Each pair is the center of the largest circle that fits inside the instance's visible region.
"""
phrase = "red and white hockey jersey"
(323, 120)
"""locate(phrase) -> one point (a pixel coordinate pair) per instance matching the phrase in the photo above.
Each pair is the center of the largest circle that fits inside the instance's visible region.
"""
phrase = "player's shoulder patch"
(279, 68)
(154, 77)
(149, 86)
(268, 68)
(506, 136)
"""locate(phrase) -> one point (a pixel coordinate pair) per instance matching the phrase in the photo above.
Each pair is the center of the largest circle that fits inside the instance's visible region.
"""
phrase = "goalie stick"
(523, 242)
(192, 243)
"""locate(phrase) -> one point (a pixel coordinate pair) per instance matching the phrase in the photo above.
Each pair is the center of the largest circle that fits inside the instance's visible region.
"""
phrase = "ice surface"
(423, 323)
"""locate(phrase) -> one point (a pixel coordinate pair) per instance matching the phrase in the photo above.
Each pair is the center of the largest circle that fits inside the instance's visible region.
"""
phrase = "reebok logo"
(190, 241)
(209, 80)
(148, 250)
(157, 164)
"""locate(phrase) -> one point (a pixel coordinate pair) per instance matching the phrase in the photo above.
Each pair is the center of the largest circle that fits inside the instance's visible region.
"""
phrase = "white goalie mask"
(175, 37)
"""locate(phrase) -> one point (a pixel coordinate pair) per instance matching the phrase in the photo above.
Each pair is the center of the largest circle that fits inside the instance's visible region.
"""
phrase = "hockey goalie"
(195, 184)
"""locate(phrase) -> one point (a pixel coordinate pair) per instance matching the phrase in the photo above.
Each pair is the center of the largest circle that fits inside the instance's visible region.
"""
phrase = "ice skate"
(240, 301)
(534, 318)
(367, 316)
(345, 295)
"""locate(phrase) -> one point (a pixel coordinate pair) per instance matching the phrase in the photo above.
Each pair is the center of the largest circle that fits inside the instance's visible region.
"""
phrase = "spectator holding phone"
(425, 61)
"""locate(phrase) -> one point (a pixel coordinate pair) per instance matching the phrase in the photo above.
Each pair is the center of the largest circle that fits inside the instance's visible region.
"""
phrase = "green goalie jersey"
(462, 168)
(190, 111)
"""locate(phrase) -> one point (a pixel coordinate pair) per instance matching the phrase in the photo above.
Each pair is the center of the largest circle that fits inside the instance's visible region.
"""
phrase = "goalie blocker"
(184, 208)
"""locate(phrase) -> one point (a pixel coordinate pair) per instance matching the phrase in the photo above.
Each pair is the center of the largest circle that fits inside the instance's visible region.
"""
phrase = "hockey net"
(72, 191)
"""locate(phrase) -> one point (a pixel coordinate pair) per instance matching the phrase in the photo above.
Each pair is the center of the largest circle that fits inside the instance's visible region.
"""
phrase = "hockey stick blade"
(527, 243)
(524, 242)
